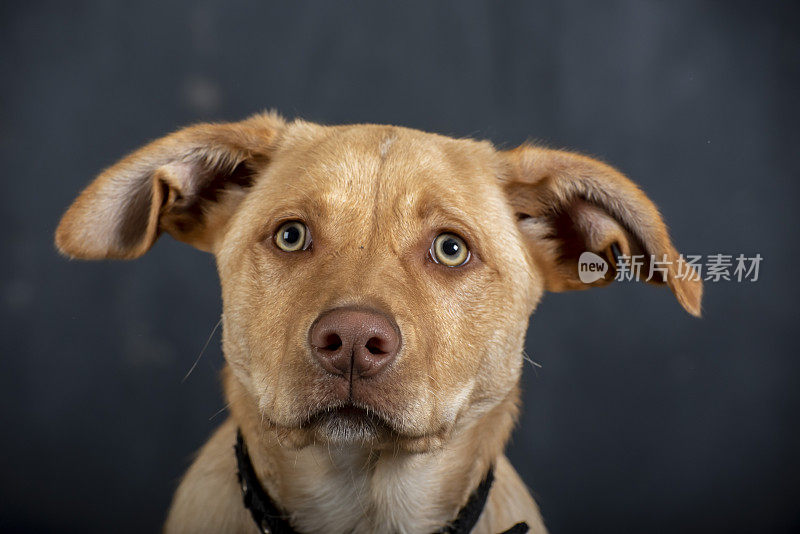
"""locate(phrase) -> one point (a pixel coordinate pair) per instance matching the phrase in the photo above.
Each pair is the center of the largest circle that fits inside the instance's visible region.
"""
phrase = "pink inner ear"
(179, 174)
(582, 226)
(196, 194)
(597, 229)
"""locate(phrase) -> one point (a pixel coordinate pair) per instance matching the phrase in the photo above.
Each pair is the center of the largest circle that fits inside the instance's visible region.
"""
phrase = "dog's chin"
(350, 425)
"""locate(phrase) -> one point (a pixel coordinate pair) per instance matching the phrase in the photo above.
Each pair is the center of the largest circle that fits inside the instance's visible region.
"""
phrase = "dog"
(377, 284)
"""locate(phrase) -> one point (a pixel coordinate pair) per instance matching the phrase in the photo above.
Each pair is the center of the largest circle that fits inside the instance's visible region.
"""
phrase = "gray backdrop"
(641, 418)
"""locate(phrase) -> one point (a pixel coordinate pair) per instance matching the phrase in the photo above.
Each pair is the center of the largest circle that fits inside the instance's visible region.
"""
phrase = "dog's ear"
(187, 184)
(567, 204)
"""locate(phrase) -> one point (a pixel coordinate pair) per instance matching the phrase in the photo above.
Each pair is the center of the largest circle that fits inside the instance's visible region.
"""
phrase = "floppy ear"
(187, 184)
(568, 204)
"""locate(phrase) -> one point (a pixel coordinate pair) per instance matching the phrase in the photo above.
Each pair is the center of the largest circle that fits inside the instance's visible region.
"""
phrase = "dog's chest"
(343, 491)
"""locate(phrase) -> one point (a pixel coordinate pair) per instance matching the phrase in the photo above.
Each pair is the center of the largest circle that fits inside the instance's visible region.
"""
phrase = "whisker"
(219, 412)
(210, 336)
(528, 359)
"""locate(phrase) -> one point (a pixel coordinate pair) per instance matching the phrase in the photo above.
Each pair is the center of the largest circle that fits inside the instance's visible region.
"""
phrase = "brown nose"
(354, 342)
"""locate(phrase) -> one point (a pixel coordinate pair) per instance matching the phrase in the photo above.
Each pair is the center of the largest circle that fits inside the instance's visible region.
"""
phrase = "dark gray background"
(641, 417)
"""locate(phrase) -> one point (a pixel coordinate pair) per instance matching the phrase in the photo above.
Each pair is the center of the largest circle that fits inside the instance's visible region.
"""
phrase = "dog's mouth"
(351, 411)
(348, 423)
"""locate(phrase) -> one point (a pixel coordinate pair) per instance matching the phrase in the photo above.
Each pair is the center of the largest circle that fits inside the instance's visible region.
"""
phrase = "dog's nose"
(354, 342)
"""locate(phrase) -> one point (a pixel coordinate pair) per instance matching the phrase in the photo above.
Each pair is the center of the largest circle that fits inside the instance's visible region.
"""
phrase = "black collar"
(271, 520)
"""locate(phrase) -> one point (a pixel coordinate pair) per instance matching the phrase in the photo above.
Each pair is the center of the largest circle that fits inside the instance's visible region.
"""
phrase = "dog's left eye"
(292, 236)
(450, 250)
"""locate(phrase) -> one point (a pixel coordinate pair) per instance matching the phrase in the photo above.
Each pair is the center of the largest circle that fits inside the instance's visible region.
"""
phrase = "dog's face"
(365, 206)
(377, 281)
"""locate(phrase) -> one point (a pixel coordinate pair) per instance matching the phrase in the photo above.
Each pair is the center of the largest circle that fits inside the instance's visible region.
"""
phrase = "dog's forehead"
(356, 167)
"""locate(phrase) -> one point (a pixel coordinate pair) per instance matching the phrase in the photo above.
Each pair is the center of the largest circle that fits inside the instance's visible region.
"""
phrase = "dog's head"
(377, 281)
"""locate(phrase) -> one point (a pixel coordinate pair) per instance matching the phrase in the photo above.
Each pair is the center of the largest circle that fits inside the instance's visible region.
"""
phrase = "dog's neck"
(355, 489)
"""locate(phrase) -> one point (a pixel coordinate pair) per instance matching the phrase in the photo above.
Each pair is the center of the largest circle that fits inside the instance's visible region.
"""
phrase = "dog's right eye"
(292, 236)
(449, 250)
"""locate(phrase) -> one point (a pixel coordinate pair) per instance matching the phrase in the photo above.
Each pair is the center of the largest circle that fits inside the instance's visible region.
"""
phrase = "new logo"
(591, 267)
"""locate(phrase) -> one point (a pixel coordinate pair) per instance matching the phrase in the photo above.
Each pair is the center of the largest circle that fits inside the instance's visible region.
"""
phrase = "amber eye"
(450, 250)
(292, 236)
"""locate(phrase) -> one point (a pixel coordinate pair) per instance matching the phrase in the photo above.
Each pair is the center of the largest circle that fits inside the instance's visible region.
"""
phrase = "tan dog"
(377, 283)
